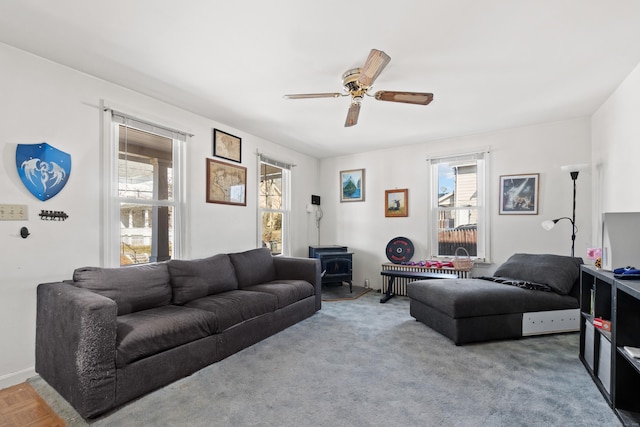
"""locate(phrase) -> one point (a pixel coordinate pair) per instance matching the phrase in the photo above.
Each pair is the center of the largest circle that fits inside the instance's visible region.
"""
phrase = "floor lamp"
(573, 170)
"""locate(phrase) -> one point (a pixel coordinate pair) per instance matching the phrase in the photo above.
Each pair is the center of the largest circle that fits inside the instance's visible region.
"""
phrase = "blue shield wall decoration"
(43, 169)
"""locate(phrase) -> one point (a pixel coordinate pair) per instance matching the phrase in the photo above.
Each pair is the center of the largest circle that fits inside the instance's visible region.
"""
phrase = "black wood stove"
(336, 264)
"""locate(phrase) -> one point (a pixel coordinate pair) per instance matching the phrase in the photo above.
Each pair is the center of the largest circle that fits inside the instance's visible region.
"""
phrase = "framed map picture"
(226, 183)
(227, 146)
(519, 194)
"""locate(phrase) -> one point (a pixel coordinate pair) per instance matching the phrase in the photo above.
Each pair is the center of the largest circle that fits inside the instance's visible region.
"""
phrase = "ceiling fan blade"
(406, 97)
(352, 115)
(313, 95)
(373, 66)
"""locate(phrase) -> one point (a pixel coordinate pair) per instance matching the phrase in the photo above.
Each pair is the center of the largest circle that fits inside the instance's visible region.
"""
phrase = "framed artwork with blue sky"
(352, 185)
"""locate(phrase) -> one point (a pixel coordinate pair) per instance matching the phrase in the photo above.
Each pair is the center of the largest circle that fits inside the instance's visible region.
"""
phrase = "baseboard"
(14, 378)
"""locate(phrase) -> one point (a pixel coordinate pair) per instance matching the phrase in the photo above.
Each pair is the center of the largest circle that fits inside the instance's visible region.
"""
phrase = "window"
(273, 205)
(458, 217)
(144, 193)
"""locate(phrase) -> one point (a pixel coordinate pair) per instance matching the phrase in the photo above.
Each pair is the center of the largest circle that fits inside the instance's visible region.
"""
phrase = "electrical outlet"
(13, 212)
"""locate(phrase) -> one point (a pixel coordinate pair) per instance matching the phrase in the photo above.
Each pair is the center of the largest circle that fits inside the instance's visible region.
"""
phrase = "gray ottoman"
(472, 310)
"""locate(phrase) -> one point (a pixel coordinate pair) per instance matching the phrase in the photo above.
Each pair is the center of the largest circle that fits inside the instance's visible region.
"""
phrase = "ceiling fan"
(358, 81)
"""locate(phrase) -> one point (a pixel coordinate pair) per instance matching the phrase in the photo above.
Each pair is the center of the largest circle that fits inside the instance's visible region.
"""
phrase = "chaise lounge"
(529, 294)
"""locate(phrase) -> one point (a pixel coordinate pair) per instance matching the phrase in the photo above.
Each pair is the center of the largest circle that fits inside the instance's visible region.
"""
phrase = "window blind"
(274, 162)
(127, 120)
(458, 158)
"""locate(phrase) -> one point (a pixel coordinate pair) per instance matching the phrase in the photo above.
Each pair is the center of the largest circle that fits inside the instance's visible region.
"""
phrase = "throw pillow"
(558, 272)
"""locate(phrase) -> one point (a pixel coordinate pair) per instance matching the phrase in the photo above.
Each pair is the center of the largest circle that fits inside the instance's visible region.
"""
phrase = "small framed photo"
(519, 194)
(226, 183)
(396, 203)
(352, 185)
(227, 146)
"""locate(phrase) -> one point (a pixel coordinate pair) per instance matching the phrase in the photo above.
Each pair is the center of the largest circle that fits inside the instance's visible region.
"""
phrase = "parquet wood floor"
(20, 406)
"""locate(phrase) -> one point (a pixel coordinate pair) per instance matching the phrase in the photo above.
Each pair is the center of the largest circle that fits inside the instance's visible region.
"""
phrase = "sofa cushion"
(234, 307)
(253, 267)
(133, 288)
(149, 332)
(557, 271)
(286, 291)
(193, 279)
(460, 298)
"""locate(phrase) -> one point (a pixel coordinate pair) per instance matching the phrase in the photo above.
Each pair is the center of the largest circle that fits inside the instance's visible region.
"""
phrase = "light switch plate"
(13, 212)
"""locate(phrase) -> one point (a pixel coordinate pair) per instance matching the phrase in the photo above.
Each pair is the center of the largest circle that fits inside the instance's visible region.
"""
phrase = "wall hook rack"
(53, 215)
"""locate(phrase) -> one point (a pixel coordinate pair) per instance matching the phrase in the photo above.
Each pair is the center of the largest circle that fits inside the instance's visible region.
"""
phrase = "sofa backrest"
(197, 278)
(253, 267)
(133, 288)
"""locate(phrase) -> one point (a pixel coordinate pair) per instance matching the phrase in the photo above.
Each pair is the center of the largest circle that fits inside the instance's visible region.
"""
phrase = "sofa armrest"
(76, 345)
(301, 269)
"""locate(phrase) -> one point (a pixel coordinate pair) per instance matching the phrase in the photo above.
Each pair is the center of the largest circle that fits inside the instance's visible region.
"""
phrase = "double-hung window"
(458, 214)
(274, 205)
(144, 193)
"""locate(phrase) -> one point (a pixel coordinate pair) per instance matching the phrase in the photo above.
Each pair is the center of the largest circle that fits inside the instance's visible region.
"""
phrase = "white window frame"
(286, 203)
(483, 224)
(110, 207)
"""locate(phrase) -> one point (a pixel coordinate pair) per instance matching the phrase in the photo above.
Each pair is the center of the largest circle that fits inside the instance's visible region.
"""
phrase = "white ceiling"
(491, 64)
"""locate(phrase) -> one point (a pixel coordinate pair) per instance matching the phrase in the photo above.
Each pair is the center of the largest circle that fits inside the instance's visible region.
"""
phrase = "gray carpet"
(362, 363)
(340, 293)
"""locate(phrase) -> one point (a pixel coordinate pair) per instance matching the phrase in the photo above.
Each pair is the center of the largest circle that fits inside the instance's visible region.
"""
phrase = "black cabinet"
(615, 372)
(627, 368)
(596, 290)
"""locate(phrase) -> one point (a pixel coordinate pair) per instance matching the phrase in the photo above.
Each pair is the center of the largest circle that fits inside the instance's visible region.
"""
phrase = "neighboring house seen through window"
(458, 206)
(145, 192)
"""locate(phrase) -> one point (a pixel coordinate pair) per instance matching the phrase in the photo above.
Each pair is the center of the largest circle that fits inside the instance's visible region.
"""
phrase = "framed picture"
(519, 194)
(226, 183)
(227, 146)
(352, 185)
(396, 203)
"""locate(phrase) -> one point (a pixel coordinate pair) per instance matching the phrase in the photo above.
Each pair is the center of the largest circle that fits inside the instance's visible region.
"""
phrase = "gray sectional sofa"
(111, 335)
(530, 294)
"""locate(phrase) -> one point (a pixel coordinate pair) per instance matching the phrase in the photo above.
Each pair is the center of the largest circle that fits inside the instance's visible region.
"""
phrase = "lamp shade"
(548, 224)
(574, 168)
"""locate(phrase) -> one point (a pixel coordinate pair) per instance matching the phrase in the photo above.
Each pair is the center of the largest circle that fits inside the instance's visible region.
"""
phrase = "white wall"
(616, 151)
(43, 101)
(535, 149)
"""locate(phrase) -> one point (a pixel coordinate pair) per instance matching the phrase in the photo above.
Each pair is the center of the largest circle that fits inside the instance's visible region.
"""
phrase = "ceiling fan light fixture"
(358, 81)
(350, 79)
